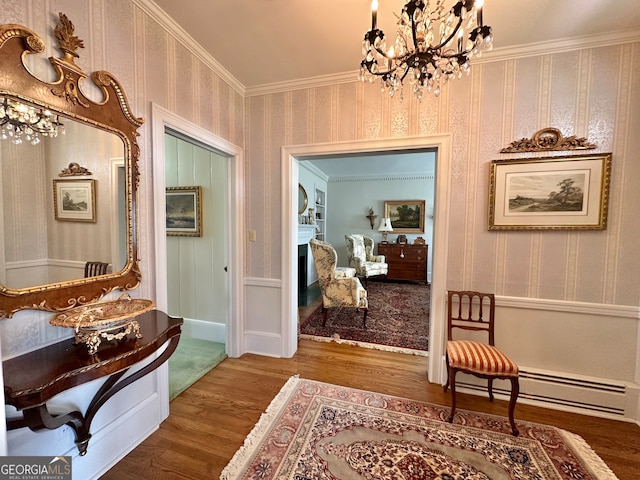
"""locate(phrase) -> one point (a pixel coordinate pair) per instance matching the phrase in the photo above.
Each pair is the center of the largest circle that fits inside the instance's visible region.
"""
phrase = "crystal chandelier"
(21, 122)
(431, 46)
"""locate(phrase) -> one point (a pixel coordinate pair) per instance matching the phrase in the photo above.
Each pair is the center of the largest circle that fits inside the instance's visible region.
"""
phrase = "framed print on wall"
(74, 200)
(555, 193)
(407, 216)
(184, 211)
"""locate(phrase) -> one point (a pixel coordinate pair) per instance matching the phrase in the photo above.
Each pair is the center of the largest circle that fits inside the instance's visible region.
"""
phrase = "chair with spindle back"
(92, 269)
(475, 311)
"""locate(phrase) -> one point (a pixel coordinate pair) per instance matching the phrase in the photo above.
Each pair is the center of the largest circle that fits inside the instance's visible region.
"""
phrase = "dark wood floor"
(210, 420)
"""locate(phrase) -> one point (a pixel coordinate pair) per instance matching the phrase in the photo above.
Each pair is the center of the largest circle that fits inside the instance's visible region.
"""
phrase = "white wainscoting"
(44, 271)
(263, 329)
(570, 354)
(211, 331)
(567, 356)
(127, 419)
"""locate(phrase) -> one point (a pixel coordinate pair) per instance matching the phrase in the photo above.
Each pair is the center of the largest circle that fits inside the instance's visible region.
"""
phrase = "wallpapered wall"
(588, 93)
(127, 40)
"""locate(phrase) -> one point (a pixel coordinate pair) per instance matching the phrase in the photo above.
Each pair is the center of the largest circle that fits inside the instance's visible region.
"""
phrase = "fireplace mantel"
(305, 233)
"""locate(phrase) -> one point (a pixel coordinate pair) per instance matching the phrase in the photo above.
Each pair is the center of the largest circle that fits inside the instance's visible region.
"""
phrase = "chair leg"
(490, 389)
(324, 315)
(452, 376)
(515, 390)
(364, 318)
(446, 385)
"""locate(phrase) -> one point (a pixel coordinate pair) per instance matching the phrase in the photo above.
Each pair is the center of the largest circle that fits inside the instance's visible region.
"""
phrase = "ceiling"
(267, 41)
(262, 42)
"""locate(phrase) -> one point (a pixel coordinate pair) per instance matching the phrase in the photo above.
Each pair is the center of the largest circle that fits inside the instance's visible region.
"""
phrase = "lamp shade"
(385, 225)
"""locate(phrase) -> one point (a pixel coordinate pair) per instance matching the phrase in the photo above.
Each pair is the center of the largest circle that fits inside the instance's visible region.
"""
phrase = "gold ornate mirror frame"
(64, 96)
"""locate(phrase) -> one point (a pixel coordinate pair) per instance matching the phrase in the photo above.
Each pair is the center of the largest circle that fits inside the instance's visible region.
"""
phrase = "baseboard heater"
(588, 395)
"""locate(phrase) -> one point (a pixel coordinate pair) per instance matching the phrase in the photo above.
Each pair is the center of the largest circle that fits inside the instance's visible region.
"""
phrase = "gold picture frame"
(550, 193)
(74, 200)
(407, 216)
(184, 211)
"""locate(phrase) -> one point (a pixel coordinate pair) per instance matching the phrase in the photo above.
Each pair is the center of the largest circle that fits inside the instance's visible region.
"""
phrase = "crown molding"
(314, 170)
(160, 16)
(495, 55)
(560, 46)
(382, 178)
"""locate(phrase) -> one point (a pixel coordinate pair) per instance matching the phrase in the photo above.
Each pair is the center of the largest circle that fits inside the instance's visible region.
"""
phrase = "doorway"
(439, 143)
(354, 185)
(226, 227)
(195, 178)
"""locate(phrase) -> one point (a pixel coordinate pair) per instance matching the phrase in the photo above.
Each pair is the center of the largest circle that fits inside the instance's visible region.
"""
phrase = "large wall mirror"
(68, 180)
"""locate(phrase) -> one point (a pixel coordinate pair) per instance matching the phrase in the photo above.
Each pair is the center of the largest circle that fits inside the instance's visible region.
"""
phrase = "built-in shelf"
(321, 214)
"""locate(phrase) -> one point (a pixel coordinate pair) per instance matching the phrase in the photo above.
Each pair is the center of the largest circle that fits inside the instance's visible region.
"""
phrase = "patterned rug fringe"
(251, 443)
(599, 469)
(374, 346)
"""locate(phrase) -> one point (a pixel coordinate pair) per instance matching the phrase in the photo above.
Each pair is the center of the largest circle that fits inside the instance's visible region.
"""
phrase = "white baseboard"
(263, 343)
(211, 331)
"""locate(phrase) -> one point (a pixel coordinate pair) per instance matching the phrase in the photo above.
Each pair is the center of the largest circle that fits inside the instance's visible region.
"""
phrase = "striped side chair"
(474, 312)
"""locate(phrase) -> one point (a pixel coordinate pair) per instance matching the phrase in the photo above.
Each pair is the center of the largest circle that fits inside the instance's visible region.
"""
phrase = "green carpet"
(192, 359)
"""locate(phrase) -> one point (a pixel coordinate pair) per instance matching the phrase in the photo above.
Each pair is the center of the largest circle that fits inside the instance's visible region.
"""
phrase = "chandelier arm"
(453, 34)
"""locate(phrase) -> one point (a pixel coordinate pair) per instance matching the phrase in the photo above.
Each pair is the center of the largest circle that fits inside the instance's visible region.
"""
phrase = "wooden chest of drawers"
(406, 262)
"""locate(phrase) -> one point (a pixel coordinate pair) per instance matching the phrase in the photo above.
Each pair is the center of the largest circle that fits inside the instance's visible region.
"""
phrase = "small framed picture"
(74, 200)
(184, 211)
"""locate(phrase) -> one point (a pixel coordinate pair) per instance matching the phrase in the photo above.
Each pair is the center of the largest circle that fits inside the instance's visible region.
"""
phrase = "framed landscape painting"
(184, 211)
(556, 193)
(74, 200)
(407, 216)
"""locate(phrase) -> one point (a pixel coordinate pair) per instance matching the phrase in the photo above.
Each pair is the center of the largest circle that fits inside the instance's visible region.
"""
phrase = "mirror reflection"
(45, 242)
(303, 200)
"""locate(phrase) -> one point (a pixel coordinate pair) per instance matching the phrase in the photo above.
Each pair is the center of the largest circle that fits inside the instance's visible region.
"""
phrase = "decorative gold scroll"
(548, 139)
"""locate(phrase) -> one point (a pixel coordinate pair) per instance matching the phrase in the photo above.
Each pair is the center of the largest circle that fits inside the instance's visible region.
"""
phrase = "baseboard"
(211, 331)
(109, 445)
(263, 343)
(598, 397)
(121, 425)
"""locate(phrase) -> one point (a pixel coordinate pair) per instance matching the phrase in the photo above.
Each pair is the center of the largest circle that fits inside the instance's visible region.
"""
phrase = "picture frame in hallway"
(550, 193)
(74, 200)
(184, 211)
(407, 216)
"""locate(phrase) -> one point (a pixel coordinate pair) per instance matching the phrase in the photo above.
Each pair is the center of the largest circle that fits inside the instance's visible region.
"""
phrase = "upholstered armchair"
(360, 249)
(339, 286)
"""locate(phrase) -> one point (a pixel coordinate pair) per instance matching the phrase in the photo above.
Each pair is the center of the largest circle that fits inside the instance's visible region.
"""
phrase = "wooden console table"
(32, 379)
(406, 262)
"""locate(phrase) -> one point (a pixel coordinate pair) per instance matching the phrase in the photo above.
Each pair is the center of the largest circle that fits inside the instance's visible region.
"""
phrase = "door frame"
(162, 119)
(289, 162)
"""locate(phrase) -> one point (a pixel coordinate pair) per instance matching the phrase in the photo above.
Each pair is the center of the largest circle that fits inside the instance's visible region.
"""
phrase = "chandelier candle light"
(19, 121)
(431, 46)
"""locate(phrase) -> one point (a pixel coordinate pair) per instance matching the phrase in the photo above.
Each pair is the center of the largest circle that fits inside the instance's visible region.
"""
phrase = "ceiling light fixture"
(19, 121)
(431, 46)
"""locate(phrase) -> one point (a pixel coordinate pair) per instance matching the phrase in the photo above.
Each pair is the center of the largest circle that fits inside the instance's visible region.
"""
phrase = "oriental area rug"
(398, 320)
(315, 430)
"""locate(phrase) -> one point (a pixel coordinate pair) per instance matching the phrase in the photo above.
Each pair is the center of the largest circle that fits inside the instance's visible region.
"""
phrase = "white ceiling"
(266, 41)
(262, 42)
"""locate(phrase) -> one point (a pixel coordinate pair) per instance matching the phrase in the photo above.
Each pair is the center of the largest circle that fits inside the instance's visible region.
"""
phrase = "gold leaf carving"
(67, 41)
(548, 139)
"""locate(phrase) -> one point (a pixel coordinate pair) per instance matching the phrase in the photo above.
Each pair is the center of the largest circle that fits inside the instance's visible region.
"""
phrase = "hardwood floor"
(210, 420)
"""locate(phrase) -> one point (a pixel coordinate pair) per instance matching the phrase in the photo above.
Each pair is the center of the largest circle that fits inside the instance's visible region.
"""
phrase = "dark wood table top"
(33, 378)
